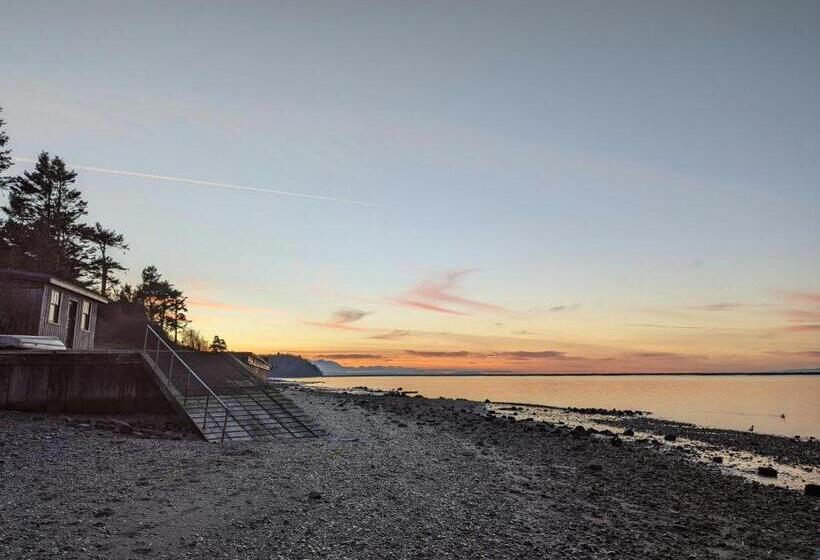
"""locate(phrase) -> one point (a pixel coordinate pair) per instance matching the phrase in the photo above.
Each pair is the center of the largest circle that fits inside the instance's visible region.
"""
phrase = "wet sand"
(398, 477)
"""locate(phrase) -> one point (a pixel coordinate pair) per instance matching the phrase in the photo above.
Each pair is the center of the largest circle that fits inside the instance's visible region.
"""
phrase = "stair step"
(249, 409)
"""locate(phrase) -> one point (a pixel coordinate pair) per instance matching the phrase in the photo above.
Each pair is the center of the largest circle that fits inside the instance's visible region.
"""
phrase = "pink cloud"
(440, 296)
(343, 356)
(802, 328)
(802, 353)
(722, 306)
(395, 334)
(803, 297)
(341, 319)
(802, 315)
(425, 306)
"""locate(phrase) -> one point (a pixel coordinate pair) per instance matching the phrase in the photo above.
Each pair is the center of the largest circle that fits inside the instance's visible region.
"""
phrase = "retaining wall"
(92, 382)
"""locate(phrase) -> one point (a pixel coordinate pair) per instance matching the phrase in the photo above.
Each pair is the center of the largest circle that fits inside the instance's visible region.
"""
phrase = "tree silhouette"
(42, 230)
(218, 344)
(102, 265)
(5, 163)
(193, 339)
(5, 153)
(163, 303)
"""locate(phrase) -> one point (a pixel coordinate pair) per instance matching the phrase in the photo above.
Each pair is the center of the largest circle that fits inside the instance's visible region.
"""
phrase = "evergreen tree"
(218, 344)
(5, 164)
(124, 294)
(5, 153)
(102, 265)
(164, 304)
(42, 230)
(176, 319)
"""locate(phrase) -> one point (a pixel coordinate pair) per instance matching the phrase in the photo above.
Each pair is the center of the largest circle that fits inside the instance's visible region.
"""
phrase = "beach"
(397, 477)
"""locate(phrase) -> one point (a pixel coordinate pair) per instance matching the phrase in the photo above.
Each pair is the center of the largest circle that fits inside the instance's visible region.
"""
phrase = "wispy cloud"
(342, 356)
(440, 295)
(341, 319)
(802, 315)
(392, 335)
(802, 328)
(800, 353)
(440, 353)
(533, 355)
(808, 320)
(721, 306)
(570, 307)
(508, 354)
(200, 182)
(812, 298)
(665, 355)
(657, 326)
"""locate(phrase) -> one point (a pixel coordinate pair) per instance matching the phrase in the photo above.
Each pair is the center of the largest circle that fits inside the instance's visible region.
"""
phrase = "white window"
(85, 316)
(54, 306)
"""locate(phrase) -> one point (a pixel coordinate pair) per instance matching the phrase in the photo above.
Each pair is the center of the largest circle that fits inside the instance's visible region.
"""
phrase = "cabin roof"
(8, 273)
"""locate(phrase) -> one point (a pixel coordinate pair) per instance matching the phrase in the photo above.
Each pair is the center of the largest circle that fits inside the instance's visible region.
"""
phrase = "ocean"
(785, 405)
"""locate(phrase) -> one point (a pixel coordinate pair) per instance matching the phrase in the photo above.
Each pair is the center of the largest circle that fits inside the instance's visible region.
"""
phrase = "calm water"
(733, 402)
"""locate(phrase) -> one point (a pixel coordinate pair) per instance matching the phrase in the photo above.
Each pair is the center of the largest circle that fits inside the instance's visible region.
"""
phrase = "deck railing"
(180, 376)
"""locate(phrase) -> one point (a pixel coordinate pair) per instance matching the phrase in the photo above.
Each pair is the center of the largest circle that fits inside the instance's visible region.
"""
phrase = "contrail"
(204, 183)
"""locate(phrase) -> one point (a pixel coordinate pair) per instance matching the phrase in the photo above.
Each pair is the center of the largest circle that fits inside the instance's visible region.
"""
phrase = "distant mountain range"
(329, 367)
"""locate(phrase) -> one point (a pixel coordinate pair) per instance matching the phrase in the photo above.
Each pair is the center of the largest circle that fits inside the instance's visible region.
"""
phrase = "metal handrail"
(191, 373)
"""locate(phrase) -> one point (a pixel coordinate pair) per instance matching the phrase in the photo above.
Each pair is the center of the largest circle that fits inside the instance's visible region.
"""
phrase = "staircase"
(221, 397)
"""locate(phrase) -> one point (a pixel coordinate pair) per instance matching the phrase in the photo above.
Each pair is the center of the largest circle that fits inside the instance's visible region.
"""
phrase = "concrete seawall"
(108, 382)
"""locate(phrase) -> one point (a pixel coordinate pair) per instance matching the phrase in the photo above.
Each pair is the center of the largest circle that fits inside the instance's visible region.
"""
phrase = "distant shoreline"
(732, 374)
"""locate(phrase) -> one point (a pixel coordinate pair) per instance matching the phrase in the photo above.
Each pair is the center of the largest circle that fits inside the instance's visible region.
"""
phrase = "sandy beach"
(398, 477)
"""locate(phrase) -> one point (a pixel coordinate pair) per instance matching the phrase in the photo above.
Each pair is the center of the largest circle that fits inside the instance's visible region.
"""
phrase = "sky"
(506, 186)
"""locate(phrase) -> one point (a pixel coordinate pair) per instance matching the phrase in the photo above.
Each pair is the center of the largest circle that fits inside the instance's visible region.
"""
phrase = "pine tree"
(42, 230)
(176, 319)
(124, 294)
(5, 153)
(218, 344)
(164, 304)
(5, 164)
(102, 265)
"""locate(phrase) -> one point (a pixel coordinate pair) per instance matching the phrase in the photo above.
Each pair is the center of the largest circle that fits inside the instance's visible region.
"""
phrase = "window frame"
(85, 313)
(55, 307)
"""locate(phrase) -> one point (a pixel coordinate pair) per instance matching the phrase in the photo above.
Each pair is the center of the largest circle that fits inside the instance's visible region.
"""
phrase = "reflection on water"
(719, 401)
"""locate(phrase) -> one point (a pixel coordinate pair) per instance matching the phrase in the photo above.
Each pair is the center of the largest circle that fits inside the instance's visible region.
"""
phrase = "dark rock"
(594, 467)
(813, 490)
(314, 495)
(579, 430)
(616, 441)
(768, 472)
(717, 459)
(670, 437)
(628, 432)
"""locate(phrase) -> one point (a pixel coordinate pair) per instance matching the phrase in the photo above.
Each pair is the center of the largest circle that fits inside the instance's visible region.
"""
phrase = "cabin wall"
(20, 308)
(83, 340)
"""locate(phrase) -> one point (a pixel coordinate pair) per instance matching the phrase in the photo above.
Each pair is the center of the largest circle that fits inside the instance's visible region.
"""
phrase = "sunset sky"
(517, 186)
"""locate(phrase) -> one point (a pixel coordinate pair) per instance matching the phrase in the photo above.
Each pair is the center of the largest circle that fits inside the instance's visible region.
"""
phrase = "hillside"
(291, 365)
